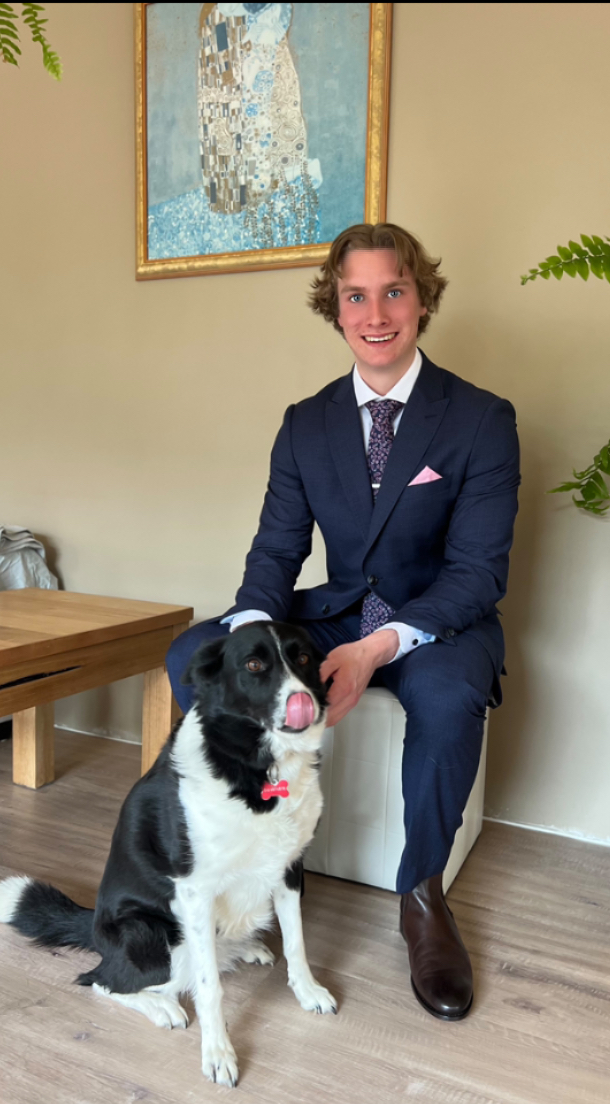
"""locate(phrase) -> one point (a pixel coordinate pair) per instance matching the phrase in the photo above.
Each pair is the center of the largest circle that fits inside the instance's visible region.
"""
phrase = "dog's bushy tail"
(45, 914)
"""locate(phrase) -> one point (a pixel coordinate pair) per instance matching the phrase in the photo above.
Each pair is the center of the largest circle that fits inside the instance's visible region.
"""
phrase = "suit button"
(450, 632)
(372, 580)
(325, 609)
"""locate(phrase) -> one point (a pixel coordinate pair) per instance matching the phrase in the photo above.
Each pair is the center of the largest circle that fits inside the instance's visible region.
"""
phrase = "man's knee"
(446, 682)
(438, 695)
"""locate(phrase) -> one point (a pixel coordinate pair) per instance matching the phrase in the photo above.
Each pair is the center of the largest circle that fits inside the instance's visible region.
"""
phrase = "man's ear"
(205, 664)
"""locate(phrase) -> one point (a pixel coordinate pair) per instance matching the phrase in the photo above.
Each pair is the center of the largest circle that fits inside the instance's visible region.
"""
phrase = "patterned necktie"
(375, 612)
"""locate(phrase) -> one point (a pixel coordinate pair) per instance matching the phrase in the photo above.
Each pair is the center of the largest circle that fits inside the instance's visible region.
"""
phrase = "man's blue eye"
(357, 298)
(395, 293)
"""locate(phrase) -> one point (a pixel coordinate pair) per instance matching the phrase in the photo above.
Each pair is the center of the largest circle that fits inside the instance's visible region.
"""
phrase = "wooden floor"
(534, 911)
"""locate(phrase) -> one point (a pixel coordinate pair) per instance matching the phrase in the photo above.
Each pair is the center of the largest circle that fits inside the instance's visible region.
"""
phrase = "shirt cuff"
(409, 638)
(242, 618)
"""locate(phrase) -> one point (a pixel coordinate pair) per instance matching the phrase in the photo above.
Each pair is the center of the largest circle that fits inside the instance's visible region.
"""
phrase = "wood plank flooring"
(534, 911)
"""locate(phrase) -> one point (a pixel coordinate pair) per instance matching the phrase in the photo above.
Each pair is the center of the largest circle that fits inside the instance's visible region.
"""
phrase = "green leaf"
(7, 56)
(570, 268)
(598, 241)
(596, 265)
(598, 480)
(544, 264)
(546, 274)
(590, 490)
(565, 254)
(584, 474)
(557, 272)
(582, 268)
(9, 30)
(577, 249)
(553, 260)
(565, 487)
(52, 64)
(603, 459)
(586, 240)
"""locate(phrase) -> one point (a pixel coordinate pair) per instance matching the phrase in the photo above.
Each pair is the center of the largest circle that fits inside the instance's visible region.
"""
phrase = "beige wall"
(116, 396)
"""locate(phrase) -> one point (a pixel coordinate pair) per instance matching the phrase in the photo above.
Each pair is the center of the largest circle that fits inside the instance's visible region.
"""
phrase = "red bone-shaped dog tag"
(275, 789)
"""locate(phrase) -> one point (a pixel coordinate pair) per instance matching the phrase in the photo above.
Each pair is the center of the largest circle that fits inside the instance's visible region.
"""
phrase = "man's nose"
(378, 311)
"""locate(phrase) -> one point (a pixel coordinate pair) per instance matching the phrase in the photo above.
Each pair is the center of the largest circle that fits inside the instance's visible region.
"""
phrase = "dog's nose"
(300, 711)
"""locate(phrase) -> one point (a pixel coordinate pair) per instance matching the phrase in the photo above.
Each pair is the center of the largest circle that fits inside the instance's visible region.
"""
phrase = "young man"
(411, 474)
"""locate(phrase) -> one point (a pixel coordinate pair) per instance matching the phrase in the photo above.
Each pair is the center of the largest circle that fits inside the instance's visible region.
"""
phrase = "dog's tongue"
(300, 710)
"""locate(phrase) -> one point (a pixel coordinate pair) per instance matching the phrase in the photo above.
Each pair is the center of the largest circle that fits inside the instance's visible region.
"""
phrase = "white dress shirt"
(409, 637)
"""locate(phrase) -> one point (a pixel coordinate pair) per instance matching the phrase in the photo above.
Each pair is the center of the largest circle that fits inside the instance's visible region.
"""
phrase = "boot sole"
(440, 1015)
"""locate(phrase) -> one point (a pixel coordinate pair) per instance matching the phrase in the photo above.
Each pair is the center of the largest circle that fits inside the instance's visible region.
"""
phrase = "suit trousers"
(444, 690)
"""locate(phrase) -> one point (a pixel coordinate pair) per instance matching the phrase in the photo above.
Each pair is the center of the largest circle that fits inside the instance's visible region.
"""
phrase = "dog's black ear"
(205, 664)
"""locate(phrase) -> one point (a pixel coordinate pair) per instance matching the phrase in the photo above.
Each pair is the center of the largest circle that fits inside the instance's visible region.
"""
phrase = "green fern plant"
(576, 260)
(580, 260)
(10, 50)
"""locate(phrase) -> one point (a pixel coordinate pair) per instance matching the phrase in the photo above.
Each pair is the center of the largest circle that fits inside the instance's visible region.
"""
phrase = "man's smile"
(386, 337)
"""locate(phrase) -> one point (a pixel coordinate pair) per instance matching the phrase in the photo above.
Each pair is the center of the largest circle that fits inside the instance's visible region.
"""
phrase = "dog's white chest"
(228, 840)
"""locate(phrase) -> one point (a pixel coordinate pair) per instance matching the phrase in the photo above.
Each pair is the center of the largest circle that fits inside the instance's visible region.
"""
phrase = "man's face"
(379, 312)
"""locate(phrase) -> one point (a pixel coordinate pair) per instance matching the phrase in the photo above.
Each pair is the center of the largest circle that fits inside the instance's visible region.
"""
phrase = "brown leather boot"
(441, 974)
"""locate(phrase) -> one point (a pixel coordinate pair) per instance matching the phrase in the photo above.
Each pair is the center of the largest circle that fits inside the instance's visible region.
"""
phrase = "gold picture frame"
(373, 209)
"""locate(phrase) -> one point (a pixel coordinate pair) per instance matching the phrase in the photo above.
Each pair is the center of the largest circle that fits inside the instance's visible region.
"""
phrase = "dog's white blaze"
(283, 742)
(10, 896)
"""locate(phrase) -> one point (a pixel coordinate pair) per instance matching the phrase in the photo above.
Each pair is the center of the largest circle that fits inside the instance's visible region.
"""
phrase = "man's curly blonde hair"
(410, 254)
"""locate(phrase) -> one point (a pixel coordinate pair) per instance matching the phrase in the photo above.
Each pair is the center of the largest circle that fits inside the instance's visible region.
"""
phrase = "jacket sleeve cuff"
(244, 617)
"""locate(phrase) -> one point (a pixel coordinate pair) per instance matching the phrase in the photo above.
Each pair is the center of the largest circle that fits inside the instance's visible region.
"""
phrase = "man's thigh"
(440, 677)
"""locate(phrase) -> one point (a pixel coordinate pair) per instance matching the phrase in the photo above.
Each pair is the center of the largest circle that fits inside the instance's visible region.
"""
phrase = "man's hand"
(351, 666)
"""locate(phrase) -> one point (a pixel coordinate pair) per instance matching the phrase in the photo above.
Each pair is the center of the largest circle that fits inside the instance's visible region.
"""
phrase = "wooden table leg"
(34, 746)
(160, 710)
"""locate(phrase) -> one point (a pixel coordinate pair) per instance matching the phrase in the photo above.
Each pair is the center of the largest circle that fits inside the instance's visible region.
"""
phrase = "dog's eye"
(255, 665)
(303, 659)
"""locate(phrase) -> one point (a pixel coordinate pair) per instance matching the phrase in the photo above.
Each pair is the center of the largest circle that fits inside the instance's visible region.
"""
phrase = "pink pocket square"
(426, 475)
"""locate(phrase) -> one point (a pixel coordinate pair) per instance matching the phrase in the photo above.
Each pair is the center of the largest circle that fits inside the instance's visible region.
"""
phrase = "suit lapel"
(344, 431)
(420, 420)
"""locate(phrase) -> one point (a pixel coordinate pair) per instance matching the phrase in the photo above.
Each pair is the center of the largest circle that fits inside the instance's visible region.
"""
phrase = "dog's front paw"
(313, 997)
(219, 1063)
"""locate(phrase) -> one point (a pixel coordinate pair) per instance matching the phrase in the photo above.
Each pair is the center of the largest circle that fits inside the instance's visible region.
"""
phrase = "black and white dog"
(208, 842)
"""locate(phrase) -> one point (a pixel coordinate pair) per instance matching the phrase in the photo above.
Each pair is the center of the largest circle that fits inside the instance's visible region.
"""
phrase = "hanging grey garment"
(23, 560)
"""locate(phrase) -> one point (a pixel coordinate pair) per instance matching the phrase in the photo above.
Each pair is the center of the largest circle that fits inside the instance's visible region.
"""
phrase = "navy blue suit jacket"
(436, 552)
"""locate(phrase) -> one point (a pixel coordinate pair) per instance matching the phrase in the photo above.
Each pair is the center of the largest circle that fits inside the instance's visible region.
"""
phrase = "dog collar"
(274, 786)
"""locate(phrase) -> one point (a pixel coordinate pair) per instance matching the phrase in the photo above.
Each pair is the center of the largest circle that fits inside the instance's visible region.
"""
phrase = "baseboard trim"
(98, 735)
(567, 833)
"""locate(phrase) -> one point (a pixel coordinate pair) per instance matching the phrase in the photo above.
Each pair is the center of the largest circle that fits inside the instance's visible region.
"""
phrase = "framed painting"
(262, 132)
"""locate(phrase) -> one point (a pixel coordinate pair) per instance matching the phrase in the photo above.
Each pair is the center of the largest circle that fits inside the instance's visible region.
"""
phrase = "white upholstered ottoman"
(360, 835)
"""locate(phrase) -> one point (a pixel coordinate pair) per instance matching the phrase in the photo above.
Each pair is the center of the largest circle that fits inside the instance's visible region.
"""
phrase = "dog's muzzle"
(300, 711)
